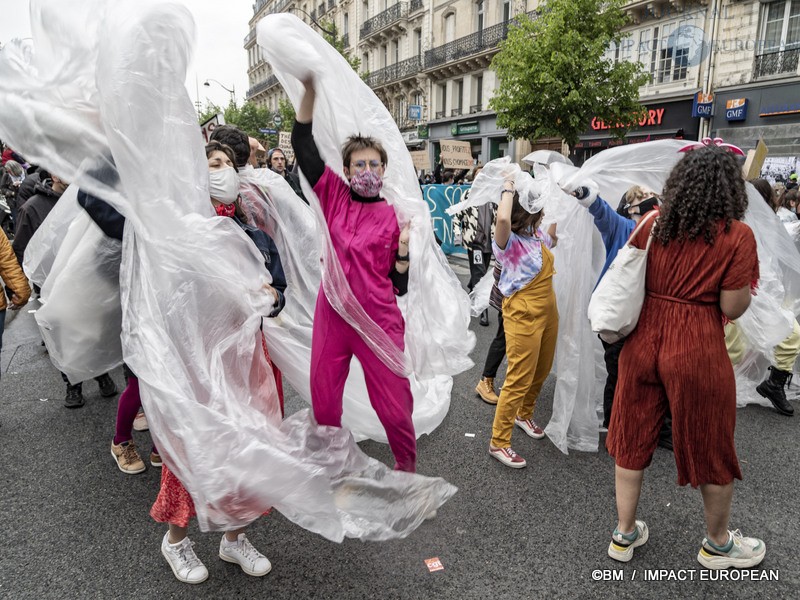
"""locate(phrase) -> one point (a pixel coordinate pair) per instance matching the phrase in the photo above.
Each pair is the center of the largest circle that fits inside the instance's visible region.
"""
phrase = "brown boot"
(485, 389)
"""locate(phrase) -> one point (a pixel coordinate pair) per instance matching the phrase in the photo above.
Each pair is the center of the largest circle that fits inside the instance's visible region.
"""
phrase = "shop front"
(662, 120)
(480, 130)
(771, 113)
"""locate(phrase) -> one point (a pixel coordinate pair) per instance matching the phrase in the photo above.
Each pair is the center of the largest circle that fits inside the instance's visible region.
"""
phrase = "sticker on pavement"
(469, 435)
(434, 564)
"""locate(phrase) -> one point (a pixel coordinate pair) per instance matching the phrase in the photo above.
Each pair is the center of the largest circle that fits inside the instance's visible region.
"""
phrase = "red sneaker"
(508, 457)
(530, 427)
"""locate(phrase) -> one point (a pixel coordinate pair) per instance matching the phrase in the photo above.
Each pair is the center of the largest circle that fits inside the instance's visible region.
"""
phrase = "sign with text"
(439, 198)
(736, 109)
(415, 112)
(703, 105)
(422, 161)
(285, 144)
(209, 126)
(652, 118)
(455, 154)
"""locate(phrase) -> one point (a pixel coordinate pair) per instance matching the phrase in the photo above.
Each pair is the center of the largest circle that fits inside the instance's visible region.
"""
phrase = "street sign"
(415, 112)
(277, 120)
(267, 131)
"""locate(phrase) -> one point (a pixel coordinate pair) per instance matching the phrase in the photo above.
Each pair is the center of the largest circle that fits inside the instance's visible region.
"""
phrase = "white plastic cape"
(272, 205)
(436, 309)
(40, 254)
(191, 282)
(579, 258)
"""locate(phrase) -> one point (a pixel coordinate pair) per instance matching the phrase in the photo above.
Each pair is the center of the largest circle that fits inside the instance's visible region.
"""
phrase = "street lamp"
(232, 91)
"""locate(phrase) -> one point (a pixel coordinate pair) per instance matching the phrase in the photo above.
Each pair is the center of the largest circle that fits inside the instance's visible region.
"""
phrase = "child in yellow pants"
(530, 318)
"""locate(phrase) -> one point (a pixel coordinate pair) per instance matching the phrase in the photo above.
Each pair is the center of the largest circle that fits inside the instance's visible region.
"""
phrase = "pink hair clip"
(707, 141)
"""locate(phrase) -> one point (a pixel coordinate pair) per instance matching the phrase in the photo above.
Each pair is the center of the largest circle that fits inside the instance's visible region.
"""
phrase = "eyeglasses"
(360, 165)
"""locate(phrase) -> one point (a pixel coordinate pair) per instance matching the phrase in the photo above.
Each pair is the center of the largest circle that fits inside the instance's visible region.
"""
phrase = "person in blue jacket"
(616, 227)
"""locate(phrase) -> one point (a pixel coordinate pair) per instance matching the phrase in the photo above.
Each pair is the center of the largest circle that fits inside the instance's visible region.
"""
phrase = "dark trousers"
(497, 350)
(79, 384)
(478, 264)
(611, 356)
(2, 326)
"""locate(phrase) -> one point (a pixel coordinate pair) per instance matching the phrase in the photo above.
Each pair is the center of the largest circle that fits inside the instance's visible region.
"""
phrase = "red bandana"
(226, 210)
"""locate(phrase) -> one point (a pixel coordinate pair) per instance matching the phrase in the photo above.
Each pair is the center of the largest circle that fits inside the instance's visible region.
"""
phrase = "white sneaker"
(140, 422)
(621, 549)
(245, 555)
(184, 562)
(746, 552)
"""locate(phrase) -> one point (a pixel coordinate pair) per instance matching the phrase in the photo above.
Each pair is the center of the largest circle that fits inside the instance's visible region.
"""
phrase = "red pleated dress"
(676, 357)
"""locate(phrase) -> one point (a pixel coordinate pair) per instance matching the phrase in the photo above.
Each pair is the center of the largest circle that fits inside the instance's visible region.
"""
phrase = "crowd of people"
(665, 385)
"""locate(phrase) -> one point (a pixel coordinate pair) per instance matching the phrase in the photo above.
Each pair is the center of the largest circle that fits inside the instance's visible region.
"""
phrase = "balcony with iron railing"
(384, 19)
(262, 86)
(249, 38)
(777, 63)
(440, 114)
(475, 108)
(401, 70)
(470, 45)
(331, 4)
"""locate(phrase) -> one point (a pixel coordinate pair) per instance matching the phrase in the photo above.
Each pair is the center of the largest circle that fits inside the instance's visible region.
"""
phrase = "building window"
(365, 62)
(418, 41)
(396, 52)
(506, 10)
(780, 33)
(384, 55)
(480, 14)
(449, 27)
(478, 106)
(442, 112)
(364, 11)
(459, 93)
(781, 26)
(346, 23)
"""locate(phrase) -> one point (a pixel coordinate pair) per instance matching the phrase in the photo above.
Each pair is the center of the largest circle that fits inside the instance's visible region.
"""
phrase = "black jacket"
(32, 214)
(28, 188)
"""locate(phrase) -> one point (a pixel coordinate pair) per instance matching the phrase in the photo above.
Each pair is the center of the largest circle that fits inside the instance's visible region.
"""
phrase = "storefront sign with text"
(653, 118)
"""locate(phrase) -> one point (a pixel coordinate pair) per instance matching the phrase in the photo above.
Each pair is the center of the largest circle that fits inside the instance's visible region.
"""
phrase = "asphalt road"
(73, 526)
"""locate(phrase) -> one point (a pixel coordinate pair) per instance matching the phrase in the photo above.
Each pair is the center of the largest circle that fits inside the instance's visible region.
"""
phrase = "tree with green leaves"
(554, 74)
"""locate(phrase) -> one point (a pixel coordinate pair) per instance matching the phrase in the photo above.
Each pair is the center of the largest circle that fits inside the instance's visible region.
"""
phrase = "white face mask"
(224, 185)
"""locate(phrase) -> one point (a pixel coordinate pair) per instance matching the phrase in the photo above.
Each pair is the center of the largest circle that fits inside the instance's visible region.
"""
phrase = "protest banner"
(455, 154)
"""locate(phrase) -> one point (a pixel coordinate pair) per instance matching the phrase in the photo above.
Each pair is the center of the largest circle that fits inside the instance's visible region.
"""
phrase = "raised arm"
(502, 230)
(305, 148)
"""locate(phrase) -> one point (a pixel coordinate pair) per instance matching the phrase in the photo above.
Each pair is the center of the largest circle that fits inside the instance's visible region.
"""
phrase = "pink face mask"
(366, 183)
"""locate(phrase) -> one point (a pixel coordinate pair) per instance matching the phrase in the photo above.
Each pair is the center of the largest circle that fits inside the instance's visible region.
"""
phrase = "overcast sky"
(221, 29)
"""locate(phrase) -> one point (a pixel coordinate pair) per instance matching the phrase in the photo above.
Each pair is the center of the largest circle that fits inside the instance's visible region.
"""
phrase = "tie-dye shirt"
(521, 260)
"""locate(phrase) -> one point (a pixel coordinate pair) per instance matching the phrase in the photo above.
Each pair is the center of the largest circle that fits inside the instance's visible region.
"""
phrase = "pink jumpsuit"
(365, 237)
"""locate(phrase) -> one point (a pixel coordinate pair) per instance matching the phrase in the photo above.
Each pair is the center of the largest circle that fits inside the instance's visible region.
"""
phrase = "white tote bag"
(617, 300)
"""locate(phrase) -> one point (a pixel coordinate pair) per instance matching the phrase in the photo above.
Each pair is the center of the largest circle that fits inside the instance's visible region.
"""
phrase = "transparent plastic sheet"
(40, 254)
(83, 343)
(436, 309)
(272, 205)
(481, 293)
(191, 282)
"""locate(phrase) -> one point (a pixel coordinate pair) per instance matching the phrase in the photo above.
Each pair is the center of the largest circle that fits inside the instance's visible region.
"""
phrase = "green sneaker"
(745, 552)
(621, 549)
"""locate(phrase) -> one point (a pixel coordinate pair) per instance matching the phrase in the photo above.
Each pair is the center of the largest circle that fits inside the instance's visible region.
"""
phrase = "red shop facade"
(663, 120)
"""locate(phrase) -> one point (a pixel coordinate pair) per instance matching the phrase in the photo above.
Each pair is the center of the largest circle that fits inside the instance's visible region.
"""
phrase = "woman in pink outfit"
(373, 253)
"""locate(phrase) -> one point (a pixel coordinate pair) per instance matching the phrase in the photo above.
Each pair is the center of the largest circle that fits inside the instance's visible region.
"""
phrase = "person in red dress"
(174, 504)
(701, 269)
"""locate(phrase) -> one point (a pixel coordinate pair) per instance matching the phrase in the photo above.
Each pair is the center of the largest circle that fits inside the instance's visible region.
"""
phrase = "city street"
(74, 526)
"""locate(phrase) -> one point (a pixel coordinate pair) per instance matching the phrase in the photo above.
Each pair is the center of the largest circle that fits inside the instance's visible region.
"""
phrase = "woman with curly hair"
(701, 268)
